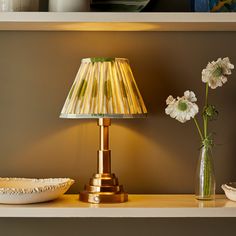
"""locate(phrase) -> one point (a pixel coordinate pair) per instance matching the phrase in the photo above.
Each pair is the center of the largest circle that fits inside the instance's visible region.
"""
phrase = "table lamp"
(104, 88)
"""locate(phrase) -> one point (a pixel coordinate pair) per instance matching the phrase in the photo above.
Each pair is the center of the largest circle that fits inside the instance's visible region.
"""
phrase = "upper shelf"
(100, 21)
(157, 206)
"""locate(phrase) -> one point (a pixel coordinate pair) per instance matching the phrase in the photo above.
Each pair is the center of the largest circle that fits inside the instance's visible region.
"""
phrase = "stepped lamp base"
(104, 188)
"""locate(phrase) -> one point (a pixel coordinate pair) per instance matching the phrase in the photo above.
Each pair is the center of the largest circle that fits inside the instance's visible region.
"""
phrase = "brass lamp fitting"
(104, 186)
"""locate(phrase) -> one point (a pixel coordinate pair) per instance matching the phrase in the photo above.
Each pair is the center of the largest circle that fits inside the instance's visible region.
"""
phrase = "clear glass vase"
(5, 5)
(205, 176)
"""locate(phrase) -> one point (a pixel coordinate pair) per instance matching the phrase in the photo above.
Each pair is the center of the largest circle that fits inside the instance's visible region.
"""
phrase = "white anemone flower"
(182, 108)
(216, 72)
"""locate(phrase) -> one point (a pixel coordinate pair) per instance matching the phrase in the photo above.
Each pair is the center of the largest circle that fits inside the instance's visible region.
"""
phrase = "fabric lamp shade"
(104, 88)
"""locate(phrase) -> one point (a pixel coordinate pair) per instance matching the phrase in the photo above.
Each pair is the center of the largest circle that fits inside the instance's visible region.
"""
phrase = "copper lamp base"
(104, 188)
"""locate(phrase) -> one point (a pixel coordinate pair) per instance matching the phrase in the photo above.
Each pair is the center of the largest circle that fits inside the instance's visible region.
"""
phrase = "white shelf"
(138, 206)
(100, 21)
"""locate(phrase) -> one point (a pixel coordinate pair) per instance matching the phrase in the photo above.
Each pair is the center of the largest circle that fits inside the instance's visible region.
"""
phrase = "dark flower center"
(218, 72)
(182, 106)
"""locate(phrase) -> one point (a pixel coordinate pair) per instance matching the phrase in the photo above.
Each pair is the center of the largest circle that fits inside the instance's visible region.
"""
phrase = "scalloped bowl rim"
(229, 190)
(227, 186)
(47, 184)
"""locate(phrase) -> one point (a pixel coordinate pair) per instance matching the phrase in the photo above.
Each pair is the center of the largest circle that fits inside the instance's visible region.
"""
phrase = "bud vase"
(19, 5)
(205, 177)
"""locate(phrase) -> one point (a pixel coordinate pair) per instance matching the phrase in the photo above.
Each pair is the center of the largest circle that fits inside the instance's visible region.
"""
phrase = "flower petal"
(190, 96)
(169, 100)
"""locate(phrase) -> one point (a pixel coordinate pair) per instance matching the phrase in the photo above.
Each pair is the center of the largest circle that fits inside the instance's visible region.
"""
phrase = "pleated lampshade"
(104, 87)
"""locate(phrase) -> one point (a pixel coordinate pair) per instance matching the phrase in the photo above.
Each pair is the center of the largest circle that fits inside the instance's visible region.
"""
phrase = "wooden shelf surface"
(100, 21)
(138, 206)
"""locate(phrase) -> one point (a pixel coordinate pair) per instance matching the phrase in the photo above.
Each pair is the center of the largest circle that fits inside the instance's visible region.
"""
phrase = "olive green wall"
(153, 155)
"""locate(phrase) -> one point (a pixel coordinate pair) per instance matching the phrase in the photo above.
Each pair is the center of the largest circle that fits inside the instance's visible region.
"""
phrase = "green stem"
(207, 173)
(206, 157)
(198, 128)
(206, 97)
(205, 121)
(206, 189)
(205, 118)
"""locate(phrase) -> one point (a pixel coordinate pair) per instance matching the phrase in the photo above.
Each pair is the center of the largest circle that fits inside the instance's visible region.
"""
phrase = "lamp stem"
(104, 154)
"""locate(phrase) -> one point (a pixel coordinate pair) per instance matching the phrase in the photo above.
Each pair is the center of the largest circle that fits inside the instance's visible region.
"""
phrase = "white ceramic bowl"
(230, 190)
(68, 5)
(25, 191)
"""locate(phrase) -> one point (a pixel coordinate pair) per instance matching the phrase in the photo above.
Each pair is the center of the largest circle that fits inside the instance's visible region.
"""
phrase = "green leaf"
(82, 89)
(210, 112)
(208, 142)
(95, 88)
(108, 89)
(123, 89)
